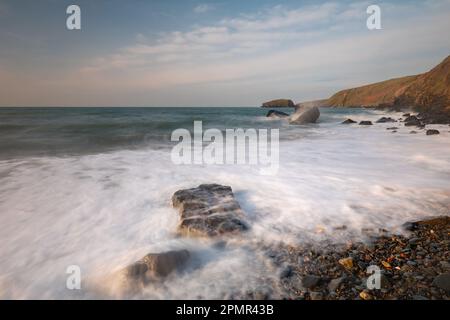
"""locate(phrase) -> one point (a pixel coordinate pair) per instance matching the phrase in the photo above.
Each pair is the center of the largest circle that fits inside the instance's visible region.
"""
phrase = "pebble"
(442, 281)
(335, 283)
(310, 281)
(347, 263)
(316, 296)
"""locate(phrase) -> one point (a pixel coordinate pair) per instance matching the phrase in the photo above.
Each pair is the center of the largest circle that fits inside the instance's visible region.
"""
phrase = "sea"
(92, 188)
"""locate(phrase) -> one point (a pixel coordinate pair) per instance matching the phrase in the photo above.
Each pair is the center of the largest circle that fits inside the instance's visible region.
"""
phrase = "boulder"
(385, 120)
(412, 121)
(305, 115)
(209, 210)
(348, 121)
(279, 103)
(156, 266)
(276, 114)
(365, 123)
(432, 132)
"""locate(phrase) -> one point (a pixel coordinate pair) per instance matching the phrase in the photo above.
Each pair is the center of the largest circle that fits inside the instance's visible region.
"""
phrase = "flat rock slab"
(209, 210)
(156, 266)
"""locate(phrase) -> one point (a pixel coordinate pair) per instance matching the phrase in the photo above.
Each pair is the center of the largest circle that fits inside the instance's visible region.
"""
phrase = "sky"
(172, 53)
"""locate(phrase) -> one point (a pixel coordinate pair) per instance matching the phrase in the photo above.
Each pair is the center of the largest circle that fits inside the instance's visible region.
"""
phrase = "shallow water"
(92, 187)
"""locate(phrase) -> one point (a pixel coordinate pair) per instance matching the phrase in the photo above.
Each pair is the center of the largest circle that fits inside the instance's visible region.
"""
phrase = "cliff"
(428, 92)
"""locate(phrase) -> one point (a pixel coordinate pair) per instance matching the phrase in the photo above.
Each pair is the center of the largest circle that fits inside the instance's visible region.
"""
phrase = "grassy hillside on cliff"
(429, 92)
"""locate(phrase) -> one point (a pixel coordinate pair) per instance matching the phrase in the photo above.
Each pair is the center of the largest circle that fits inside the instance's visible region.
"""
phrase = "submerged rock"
(365, 123)
(384, 120)
(276, 114)
(348, 121)
(155, 266)
(209, 210)
(305, 115)
(432, 132)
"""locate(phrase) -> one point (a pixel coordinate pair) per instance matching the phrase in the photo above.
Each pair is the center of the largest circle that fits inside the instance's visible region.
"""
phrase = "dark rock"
(392, 128)
(310, 281)
(412, 121)
(348, 121)
(406, 115)
(156, 265)
(365, 123)
(305, 115)
(413, 132)
(209, 210)
(442, 281)
(385, 119)
(276, 114)
(279, 103)
(432, 132)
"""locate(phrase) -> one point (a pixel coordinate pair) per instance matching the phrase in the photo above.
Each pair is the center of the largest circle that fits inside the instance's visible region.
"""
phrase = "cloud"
(303, 53)
(203, 8)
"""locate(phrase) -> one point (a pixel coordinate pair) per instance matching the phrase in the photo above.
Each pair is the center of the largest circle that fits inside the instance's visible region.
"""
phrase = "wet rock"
(412, 121)
(385, 120)
(310, 281)
(365, 123)
(406, 115)
(432, 132)
(392, 128)
(276, 114)
(305, 115)
(348, 121)
(156, 266)
(209, 210)
(442, 281)
(413, 132)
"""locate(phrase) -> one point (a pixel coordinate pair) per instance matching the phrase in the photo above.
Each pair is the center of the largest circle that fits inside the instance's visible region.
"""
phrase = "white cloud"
(203, 8)
(302, 53)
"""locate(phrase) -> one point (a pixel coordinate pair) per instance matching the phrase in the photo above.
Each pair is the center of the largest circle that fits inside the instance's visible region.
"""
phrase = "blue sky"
(209, 53)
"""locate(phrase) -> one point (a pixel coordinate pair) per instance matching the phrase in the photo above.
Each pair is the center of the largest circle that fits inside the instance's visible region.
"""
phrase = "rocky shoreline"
(412, 265)
(418, 121)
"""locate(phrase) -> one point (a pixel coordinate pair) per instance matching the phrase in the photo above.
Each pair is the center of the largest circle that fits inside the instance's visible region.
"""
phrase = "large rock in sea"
(156, 266)
(305, 115)
(209, 210)
(276, 114)
(279, 103)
